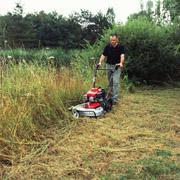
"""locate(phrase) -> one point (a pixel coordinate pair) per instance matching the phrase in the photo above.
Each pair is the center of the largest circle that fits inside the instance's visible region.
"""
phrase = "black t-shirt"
(113, 53)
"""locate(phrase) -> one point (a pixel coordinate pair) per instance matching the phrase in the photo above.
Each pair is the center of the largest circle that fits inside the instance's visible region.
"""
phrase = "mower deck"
(82, 110)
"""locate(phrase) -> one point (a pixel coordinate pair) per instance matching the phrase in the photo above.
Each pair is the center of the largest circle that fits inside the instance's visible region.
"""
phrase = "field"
(46, 67)
(138, 139)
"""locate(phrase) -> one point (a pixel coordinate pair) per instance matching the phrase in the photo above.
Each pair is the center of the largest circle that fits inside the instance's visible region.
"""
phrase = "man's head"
(113, 39)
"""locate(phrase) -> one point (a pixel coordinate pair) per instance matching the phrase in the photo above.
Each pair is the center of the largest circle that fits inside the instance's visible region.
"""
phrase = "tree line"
(51, 29)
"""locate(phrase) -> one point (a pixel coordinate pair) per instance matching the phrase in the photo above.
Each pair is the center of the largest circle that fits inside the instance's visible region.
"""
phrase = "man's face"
(113, 40)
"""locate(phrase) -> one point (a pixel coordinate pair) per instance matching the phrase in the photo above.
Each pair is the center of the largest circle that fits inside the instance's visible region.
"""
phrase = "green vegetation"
(51, 29)
(57, 57)
(150, 58)
(151, 39)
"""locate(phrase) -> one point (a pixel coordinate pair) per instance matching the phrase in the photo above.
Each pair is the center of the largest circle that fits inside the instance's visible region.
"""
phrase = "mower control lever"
(117, 66)
(98, 67)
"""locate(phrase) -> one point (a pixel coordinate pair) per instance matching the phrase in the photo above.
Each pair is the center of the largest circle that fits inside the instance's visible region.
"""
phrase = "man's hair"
(113, 34)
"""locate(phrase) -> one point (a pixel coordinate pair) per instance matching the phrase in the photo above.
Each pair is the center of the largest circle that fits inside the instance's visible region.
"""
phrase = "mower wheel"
(75, 114)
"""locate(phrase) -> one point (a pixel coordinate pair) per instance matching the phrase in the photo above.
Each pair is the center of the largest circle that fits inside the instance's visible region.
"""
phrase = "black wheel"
(109, 104)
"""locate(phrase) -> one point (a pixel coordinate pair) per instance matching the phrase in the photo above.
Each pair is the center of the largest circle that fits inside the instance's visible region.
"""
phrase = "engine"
(95, 95)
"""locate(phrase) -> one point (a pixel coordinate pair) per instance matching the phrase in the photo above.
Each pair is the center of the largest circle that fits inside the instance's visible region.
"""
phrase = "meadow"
(138, 139)
(46, 66)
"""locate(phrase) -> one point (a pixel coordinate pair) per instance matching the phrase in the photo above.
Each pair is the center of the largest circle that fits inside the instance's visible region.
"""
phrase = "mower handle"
(97, 68)
(113, 69)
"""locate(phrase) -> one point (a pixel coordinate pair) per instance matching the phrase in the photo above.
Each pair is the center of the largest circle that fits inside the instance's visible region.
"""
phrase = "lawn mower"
(97, 101)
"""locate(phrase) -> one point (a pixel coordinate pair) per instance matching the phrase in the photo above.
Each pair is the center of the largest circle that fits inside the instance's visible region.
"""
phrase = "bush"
(150, 50)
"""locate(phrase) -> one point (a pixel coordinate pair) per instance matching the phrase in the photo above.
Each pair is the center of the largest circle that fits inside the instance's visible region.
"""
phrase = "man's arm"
(102, 58)
(121, 60)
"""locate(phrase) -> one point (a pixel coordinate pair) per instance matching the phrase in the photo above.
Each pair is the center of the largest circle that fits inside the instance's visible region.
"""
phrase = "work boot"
(115, 102)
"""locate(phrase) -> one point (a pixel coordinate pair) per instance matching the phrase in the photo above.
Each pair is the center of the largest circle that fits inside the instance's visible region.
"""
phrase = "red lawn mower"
(97, 101)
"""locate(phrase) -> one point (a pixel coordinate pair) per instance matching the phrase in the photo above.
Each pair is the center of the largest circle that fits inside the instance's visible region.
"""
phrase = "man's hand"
(98, 65)
(121, 65)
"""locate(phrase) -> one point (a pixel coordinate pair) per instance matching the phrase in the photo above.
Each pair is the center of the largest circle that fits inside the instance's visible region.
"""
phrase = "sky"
(122, 8)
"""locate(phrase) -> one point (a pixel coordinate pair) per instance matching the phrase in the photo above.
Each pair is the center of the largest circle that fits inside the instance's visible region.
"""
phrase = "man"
(114, 53)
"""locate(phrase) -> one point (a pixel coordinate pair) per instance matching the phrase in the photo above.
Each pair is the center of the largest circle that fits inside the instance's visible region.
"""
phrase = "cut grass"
(138, 139)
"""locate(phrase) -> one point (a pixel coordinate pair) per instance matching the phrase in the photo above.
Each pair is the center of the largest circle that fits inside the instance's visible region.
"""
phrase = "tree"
(110, 15)
(94, 25)
(173, 8)
(19, 29)
(3, 32)
(148, 12)
(42, 29)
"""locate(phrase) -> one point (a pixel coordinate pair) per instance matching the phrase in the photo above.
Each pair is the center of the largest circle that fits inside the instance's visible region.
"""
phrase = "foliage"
(152, 54)
(93, 25)
(173, 7)
(59, 57)
(52, 30)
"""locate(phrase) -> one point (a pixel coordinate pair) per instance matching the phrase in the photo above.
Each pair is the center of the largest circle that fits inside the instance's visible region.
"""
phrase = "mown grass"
(138, 139)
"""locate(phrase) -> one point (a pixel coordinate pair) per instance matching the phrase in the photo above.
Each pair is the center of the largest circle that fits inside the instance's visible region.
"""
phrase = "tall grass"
(33, 98)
